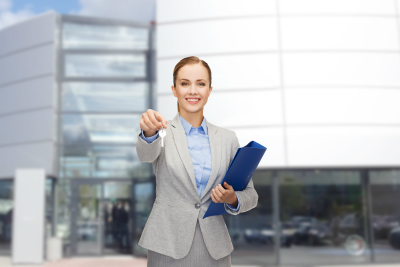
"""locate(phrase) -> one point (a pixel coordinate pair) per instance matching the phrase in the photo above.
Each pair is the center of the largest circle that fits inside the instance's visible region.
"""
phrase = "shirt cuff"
(149, 139)
(232, 207)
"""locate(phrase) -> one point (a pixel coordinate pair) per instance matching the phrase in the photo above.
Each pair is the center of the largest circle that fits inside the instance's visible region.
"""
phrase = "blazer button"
(197, 205)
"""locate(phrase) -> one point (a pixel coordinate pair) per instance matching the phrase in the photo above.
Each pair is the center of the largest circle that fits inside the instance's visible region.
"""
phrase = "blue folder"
(239, 173)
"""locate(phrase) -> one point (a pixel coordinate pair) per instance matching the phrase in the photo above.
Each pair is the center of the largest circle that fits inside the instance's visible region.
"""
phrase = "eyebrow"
(197, 80)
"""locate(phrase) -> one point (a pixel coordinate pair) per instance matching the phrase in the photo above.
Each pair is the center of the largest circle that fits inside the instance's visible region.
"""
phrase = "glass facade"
(105, 82)
(6, 209)
(311, 217)
(100, 116)
(304, 217)
(385, 219)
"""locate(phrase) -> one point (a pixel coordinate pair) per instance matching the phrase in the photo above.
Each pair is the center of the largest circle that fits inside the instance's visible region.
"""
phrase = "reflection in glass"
(252, 232)
(6, 211)
(88, 65)
(84, 36)
(63, 215)
(87, 129)
(103, 161)
(89, 224)
(143, 201)
(323, 210)
(117, 218)
(385, 194)
(113, 97)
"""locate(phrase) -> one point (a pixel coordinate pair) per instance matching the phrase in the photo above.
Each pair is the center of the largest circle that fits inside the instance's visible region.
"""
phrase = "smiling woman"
(189, 169)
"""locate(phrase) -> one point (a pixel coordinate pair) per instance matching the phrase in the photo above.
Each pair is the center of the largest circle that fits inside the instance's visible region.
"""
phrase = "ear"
(173, 90)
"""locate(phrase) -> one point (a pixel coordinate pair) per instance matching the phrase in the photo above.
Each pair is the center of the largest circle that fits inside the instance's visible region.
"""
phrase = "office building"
(317, 83)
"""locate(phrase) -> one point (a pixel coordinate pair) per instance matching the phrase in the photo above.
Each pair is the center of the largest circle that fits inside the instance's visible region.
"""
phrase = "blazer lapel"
(216, 155)
(182, 146)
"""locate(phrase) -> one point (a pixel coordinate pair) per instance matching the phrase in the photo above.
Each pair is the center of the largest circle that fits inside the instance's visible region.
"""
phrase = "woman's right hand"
(150, 122)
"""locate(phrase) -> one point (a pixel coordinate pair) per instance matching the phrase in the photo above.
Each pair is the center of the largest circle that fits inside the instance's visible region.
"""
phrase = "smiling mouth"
(194, 101)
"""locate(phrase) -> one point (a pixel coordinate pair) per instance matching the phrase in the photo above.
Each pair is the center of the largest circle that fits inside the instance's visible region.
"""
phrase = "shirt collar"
(187, 126)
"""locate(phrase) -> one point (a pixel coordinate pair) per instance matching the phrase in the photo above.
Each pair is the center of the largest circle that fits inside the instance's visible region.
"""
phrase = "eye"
(202, 84)
(183, 83)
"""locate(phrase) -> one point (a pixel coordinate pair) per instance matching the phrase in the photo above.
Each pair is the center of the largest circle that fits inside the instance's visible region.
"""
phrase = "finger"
(161, 118)
(227, 185)
(148, 122)
(221, 189)
(152, 117)
(213, 198)
(143, 124)
(216, 195)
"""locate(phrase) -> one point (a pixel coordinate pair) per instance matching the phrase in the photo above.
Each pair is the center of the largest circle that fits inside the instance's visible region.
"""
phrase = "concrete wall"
(28, 96)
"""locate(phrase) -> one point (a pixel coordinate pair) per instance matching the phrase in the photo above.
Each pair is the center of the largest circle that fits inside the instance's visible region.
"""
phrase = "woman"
(189, 167)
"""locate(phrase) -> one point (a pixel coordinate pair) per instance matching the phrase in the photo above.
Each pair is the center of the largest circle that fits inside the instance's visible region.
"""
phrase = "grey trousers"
(198, 256)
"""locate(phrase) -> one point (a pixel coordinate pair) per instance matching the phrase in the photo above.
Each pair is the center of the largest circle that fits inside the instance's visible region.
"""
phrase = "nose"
(193, 89)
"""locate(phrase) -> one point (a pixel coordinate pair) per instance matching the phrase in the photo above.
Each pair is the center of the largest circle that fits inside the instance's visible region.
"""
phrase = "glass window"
(103, 161)
(143, 193)
(100, 65)
(385, 221)
(86, 36)
(252, 232)
(87, 129)
(324, 211)
(6, 210)
(113, 97)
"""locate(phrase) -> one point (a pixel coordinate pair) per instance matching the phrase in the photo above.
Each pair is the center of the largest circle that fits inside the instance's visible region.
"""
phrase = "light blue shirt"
(200, 152)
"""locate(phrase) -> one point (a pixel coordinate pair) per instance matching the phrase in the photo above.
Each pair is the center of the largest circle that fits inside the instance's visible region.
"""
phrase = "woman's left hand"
(222, 195)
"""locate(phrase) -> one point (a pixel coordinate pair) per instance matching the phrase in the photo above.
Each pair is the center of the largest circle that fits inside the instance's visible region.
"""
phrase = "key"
(162, 134)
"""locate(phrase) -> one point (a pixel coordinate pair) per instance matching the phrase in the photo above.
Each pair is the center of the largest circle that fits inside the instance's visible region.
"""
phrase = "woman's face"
(191, 83)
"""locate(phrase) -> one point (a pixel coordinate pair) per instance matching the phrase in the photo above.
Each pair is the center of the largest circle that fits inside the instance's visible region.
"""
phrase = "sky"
(14, 11)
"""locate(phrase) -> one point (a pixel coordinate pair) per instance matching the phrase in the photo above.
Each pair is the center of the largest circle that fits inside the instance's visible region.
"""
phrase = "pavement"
(128, 261)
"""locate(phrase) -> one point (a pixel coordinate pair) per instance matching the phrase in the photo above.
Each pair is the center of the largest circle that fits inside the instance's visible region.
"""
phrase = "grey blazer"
(170, 227)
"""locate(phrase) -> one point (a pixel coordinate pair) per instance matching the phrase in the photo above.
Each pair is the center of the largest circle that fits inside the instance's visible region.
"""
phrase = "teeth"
(194, 100)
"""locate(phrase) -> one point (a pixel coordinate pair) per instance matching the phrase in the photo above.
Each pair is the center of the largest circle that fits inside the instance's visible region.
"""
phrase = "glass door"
(102, 217)
(87, 218)
(118, 214)
(143, 198)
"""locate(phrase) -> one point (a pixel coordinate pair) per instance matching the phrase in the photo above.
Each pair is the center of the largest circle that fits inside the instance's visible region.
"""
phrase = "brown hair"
(189, 61)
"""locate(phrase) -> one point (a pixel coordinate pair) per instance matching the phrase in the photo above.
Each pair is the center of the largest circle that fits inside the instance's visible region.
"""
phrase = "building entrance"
(102, 217)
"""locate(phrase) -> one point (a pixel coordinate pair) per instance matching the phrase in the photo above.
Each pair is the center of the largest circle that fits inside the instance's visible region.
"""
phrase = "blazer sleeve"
(147, 152)
(248, 197)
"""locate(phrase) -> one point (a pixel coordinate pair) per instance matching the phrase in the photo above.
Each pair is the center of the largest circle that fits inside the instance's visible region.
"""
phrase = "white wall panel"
(271, 138)
(36, 125)
(32, 32)
(27, 64)
(230, 72)
(379, 33)
(323, 90)
(398, 6)
(378, 7)
(31, 94)
(252, 108)
(316, 69)
(217, 36)
(29, 214)
(343, 146)
(180, 10)
(32, 155)
(342, 106)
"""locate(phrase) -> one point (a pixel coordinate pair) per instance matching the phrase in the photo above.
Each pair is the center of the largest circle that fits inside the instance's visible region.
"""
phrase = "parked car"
(265, 234)
(394, 238)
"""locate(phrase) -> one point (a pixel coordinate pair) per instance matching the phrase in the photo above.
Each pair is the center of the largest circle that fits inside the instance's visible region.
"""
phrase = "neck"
(194, 118)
